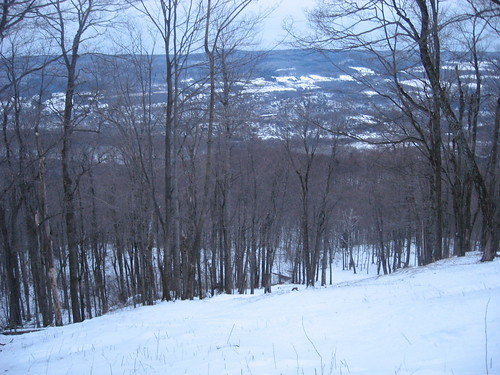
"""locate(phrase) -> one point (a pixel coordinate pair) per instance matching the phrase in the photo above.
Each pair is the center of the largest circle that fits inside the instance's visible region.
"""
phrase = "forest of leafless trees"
(116, 192)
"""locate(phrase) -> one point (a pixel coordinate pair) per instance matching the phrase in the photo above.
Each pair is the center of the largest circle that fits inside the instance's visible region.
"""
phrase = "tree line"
(122, 191)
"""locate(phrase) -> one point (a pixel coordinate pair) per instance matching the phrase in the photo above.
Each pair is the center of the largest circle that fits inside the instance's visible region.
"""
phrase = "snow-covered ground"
(439, 319)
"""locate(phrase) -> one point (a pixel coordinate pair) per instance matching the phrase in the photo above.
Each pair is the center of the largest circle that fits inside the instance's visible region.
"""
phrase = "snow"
(362, 70)
(440, 319)
(287, 83)
(468, 66)
(363, 146)
(346, 77)
(319, 78)
(260, 85)
(286, 79)
(415, 83)
(366, 119)
(56, 102)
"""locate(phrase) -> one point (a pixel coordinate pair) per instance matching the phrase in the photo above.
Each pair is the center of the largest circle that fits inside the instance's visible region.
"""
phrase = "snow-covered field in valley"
(440, 319)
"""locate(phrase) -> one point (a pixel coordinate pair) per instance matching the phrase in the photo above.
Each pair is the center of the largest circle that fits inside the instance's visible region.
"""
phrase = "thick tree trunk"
(69, 206)
(492, 224)
(38, 271)
(13, 273)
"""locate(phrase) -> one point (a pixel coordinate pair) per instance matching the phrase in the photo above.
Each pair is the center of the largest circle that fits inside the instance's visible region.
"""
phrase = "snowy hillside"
(439, 319)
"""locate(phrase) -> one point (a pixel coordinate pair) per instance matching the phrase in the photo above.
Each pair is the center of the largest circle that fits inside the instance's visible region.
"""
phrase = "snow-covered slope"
(439, 319)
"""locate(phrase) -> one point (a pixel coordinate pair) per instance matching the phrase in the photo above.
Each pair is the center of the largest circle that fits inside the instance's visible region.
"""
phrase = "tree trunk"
(43, 224)
(13, 274)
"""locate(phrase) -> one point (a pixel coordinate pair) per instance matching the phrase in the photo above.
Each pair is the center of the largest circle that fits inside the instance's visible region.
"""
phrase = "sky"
(272, 32)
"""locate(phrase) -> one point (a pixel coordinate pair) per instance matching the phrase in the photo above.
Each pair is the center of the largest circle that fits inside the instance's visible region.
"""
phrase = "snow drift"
(440, 319)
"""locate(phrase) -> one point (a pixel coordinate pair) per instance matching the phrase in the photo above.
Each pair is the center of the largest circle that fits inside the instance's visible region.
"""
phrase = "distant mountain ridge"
(261, 64)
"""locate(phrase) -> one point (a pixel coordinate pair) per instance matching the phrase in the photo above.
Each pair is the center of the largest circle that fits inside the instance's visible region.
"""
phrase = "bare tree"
(14, 12)
(225, 30)
(19, 228)
(416, 32)
(42, 216)
(304, 129)
(136, 123)
(70, 25)
(178, 23)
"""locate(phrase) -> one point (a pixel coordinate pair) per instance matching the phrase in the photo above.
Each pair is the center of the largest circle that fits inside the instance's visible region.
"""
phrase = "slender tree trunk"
(43, 223)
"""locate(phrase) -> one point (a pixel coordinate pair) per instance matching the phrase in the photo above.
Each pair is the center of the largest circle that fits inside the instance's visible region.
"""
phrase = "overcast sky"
(272, 28)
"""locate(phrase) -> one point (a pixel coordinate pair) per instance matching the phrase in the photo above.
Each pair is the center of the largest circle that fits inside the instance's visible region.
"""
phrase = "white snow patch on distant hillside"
(362, 70)
(56, 102)
(416, 83)
(285, 69)
(286, 83)
(467, 66)
(286, 79)
(367, 119)
(346, 77)
(261, 85)
(303, 81)
(318, 78)
(363, 146)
